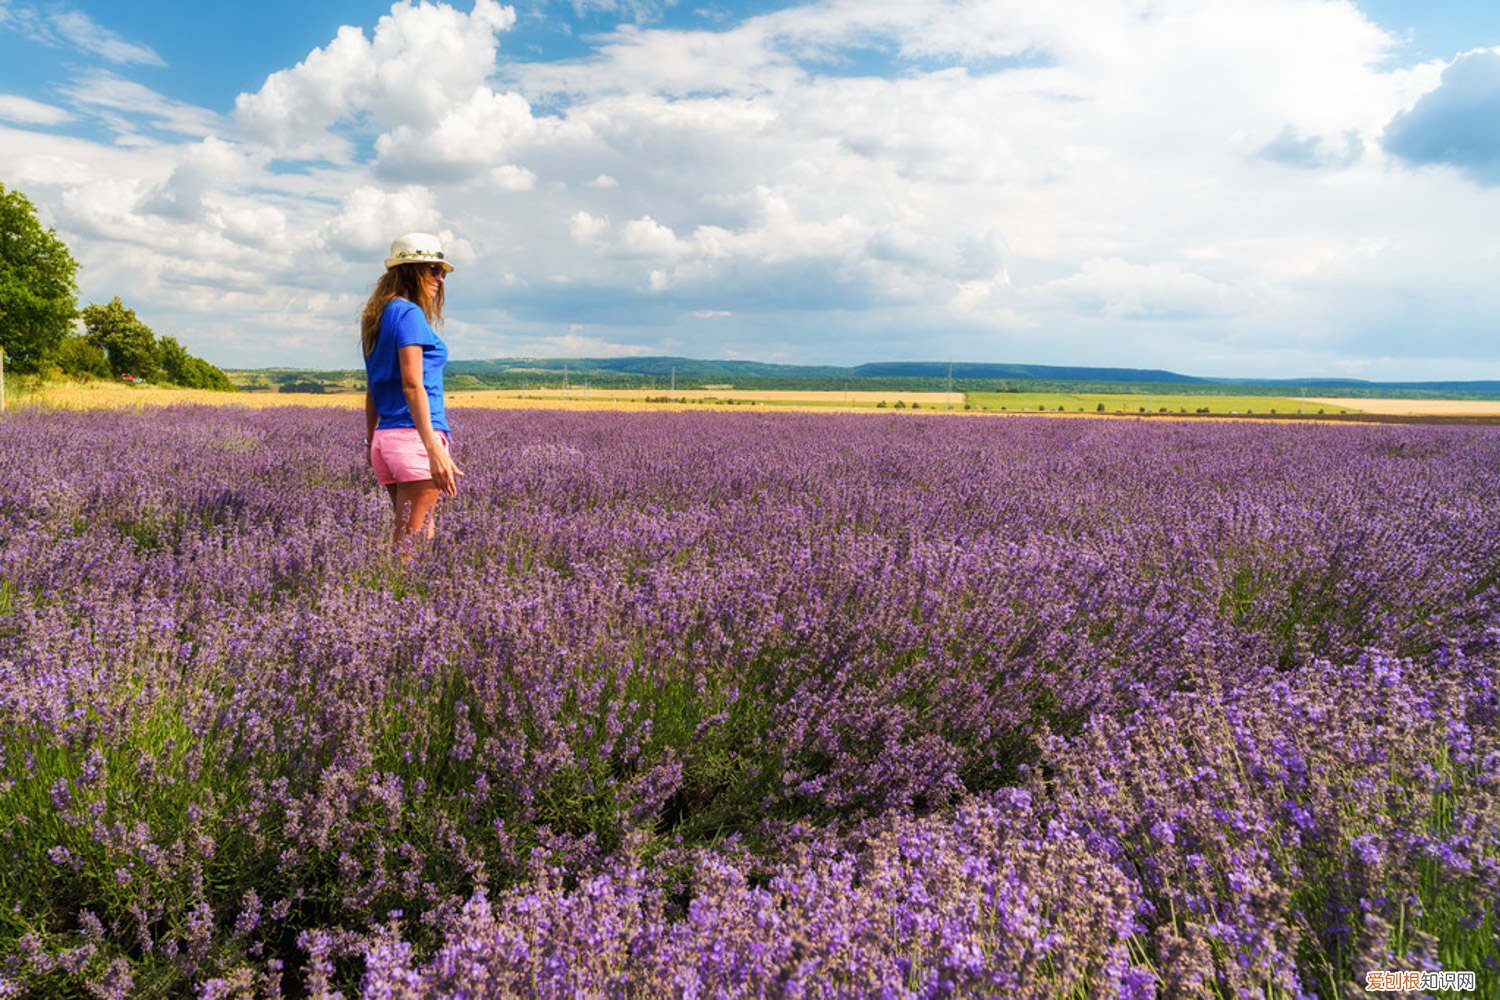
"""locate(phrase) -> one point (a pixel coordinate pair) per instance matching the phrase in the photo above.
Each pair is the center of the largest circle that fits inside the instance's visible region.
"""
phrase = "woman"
(406, 428)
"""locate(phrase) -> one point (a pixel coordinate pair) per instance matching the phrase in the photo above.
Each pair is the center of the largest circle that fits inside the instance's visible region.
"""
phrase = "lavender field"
(721, 705)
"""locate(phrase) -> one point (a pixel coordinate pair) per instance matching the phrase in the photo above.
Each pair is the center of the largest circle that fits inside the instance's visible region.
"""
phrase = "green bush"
(78, 356)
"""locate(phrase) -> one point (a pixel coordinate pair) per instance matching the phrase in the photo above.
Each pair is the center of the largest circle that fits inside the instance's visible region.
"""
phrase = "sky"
(1237, 188)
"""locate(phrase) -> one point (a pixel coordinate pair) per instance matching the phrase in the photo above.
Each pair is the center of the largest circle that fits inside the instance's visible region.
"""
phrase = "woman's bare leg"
(413, 503)
(390, 489)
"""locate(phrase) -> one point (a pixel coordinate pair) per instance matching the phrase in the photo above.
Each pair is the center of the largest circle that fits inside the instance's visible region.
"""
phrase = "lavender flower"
(730, 705)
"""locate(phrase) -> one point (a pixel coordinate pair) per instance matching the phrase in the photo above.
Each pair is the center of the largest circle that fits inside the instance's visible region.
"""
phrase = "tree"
(38, 293)
(129, 343)
(80, 357)
(182, 368)
(203, 375)
(175, 360)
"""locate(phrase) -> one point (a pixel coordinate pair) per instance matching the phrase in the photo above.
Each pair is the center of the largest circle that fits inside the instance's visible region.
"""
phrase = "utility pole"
(674, 379)
(565, 376)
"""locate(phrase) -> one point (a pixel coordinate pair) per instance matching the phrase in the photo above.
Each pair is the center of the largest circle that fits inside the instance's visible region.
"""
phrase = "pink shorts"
(397, 455)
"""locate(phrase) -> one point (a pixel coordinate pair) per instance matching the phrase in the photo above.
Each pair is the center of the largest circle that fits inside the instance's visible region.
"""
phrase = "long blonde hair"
(402, 281)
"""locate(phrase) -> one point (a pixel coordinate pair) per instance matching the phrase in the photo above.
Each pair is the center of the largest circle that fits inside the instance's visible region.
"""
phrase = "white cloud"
(90, 36)
(127, 105)
(370, 217)
(420, 62)
(645, 237)
(211, 165)
(467, 138)
(639, 11)
(585, 228)
(261, 225)
(578, 345)
(1120, 290)
(509, 177)
(635, 61)
(25, 111)
(1454, 123)
(59, 26)
(1310, 152)
(1008, 180)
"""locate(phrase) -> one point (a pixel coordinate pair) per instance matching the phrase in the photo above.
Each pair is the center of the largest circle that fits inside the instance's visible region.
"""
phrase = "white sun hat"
(417, 248)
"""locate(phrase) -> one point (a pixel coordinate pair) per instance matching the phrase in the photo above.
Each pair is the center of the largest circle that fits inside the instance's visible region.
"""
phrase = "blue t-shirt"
(402, 324)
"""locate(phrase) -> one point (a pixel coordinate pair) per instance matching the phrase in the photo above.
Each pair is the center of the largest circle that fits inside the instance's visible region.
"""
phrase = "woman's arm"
(371, 419)
(444, 472)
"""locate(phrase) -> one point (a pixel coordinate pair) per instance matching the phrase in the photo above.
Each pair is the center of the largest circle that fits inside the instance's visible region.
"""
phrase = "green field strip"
(1138, 403)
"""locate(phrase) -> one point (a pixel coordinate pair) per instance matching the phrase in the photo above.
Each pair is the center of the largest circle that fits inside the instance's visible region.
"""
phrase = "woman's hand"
(445, 471)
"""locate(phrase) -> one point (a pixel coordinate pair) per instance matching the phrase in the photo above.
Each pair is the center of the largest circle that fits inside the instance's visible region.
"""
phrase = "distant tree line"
(39, 315)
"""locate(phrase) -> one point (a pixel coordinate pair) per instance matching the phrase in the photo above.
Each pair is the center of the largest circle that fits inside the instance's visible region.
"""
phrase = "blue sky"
(1274, 188)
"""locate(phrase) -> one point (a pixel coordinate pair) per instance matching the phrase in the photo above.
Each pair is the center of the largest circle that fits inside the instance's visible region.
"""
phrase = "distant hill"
(694, 369)
(652, 367)
(1048, 373)
(972, 376)
(689, 373)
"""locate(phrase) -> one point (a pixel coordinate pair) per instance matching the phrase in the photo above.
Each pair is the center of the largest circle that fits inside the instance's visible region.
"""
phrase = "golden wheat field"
(820, 397)
(1417, 407)
(89, 395)
(104, 395)
(92, 395)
